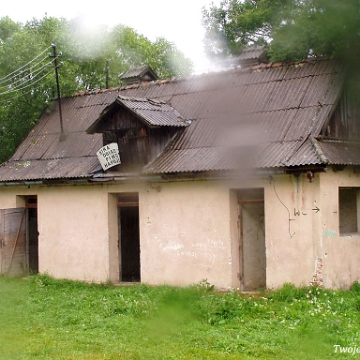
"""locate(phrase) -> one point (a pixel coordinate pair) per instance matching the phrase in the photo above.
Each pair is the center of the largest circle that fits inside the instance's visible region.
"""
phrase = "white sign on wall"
(109, 156)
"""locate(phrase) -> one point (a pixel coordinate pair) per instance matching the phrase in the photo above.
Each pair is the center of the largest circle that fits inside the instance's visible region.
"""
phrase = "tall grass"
(43, 318)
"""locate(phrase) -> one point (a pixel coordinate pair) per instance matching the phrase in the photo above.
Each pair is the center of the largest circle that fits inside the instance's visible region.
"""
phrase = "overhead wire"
(26, 70)
(9, 100)
(15, 71)
(27, 78)
(26, 86)
(27, 75)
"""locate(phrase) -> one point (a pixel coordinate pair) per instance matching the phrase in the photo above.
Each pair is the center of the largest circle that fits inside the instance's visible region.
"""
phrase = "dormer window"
(141, 128)
(138, 75)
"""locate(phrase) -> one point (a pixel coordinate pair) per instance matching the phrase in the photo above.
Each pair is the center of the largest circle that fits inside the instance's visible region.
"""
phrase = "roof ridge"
(175, 79)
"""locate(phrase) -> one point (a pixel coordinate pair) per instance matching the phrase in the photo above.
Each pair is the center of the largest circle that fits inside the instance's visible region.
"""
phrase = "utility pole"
(107, 74)
(62, 134)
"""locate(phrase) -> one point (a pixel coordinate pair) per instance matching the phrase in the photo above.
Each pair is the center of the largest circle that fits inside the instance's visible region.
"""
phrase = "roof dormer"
(138, 75)
(141, 128)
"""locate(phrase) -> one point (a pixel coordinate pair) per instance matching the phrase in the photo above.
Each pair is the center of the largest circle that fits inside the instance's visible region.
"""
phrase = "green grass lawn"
(43, 318)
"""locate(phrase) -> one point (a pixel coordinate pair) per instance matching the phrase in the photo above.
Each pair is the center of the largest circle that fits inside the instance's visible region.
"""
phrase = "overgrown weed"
(63, 319)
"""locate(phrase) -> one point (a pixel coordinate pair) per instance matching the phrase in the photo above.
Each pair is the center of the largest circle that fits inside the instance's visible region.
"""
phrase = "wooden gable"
(345, 121)
(139, 141)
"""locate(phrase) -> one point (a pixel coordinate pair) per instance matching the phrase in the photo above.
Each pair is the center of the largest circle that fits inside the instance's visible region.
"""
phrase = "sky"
(178, 21)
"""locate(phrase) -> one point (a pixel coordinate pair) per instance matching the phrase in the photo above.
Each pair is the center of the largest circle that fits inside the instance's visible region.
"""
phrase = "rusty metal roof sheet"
(47, 169)
(277, 107)
(138, 72)
(267, 112)
(153, 112)
(252, 52)
(43, 156)
(341, 152)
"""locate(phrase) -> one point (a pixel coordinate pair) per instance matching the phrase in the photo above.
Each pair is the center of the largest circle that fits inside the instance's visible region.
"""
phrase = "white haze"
(178, 21)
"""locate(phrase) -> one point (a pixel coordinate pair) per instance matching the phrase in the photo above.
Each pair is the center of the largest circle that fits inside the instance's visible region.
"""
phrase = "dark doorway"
(252, 239)
(129, 237)
(32, 234)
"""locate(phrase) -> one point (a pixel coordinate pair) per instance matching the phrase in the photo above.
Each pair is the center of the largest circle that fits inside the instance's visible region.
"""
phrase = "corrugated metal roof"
(139, 72)
(341, 152)
(252, 52)
(276, 106)
(153, 112)
(263, 115)
(61, 168)
(43, 156)
(132, 72)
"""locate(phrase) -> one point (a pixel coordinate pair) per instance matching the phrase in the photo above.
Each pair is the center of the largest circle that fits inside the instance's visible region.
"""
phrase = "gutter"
(43, 182)
(106, 177)
(23, 183)
(291, 171)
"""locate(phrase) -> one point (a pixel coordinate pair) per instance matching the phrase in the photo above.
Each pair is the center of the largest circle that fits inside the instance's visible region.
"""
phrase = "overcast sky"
(179, 21)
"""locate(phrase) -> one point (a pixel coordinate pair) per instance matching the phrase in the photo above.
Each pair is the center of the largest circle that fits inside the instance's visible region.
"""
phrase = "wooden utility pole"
(55, 56)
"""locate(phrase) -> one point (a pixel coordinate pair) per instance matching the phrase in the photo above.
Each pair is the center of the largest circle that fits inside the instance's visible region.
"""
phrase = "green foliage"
(292, 29)
(320, 28)
(86, 53)
(235, 24)
(44, 318)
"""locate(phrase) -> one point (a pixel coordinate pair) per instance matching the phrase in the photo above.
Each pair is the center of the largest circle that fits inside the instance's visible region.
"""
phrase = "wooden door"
(13, 247)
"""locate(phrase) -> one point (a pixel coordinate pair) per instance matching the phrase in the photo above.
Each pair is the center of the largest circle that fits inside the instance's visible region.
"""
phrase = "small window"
(349, 198)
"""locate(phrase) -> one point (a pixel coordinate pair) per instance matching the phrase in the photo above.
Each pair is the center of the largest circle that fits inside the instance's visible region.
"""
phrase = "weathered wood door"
(13, 249)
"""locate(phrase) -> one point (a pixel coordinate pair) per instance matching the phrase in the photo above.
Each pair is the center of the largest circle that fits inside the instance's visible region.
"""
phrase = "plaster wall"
(185, 234)
(189, 230)
(340, 254)
(72, 226)
(291, 228)
(73, 232)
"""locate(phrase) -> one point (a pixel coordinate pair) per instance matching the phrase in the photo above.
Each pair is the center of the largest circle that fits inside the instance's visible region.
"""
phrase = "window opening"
(349, 200)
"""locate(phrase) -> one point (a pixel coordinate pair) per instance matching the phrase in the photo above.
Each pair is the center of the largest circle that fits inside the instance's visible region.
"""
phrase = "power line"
(28, 75)
(26, 86)
(26, 70)
(9, 100)
(27, 78)
(8, 75)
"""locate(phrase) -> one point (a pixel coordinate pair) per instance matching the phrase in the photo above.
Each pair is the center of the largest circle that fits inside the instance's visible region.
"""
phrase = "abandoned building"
(248, 178)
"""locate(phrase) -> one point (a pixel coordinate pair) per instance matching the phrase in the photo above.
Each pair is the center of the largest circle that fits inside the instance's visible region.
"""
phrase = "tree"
(237, 24)
(27, 92)
(320, 28)
(292, 29)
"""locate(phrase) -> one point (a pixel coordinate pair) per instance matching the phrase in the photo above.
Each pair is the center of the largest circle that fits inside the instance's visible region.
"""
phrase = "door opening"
(252, 239)
(32, 234)
(129, 237)
(19, 239)
(13, 258)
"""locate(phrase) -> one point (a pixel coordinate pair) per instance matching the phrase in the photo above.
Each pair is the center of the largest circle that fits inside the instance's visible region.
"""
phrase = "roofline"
(213, 73)
(45, 182)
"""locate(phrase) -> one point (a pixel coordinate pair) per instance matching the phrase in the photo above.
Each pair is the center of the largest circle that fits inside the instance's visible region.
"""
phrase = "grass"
(43, 318)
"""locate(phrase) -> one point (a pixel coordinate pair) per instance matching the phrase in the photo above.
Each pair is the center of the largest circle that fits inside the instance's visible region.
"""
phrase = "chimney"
(138, 75)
